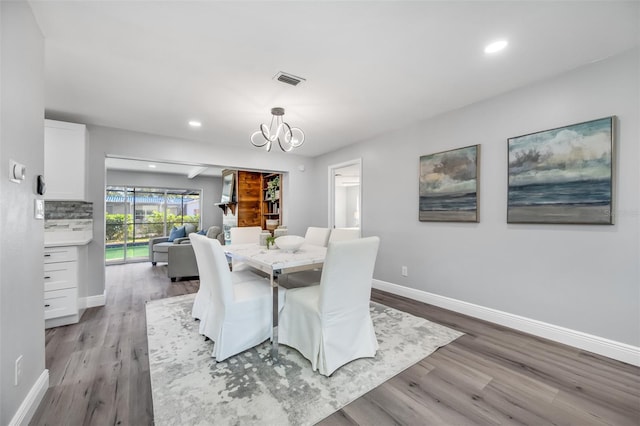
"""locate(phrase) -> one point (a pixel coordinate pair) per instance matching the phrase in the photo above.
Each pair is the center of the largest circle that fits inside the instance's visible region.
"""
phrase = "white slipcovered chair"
(330, 324)
(307, 278)
(203, 297)
(243, 235)
(316, 236)
(234, 308)
(342, 234)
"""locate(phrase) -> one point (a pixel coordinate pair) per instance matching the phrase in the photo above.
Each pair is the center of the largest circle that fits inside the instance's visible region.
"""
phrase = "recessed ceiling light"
(496, 46)
(194, 123)
(152, 166)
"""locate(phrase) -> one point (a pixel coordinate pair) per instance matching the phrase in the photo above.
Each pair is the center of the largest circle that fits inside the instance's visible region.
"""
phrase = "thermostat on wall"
(16, 171)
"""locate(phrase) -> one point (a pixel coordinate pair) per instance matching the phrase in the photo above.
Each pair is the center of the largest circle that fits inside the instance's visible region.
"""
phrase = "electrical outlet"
(18, 370)
(405, 271)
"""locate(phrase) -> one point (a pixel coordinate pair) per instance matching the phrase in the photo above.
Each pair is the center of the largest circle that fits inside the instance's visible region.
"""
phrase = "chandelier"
(288, 137)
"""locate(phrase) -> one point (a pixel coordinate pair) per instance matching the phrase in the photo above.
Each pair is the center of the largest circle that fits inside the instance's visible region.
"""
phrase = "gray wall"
(581, 277)
(103, 141)
(210, 186)
(21, 252)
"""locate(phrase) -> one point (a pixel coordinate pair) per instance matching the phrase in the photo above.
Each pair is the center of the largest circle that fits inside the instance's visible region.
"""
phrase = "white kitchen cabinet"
(64, 160)
(60, 286)
(60, 303)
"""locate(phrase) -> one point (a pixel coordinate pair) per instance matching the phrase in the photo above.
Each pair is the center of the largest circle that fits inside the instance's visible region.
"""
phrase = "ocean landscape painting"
(449, 185)
(562, 175)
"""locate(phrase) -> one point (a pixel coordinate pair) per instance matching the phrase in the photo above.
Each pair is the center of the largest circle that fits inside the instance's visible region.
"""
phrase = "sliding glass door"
(134, 215)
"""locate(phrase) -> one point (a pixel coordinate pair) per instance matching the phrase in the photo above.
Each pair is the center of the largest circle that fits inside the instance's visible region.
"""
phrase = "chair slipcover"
(316, 236)
(237, 314)
(342, 234)
(243, 235)
(330, 324)
(203, 297)
(307, 278)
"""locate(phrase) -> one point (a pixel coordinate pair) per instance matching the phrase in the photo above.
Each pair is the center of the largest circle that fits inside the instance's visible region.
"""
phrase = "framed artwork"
(562, 175)
(449, 186)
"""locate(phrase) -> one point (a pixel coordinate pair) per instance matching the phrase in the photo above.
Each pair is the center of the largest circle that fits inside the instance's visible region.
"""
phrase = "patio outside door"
(134, 215)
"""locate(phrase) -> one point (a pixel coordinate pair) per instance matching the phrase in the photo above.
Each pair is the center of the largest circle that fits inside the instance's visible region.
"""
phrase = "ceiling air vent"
(289, 78)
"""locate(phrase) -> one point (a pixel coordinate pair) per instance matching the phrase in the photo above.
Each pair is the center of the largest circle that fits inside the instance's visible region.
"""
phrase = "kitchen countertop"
(79, 242)
(67, 238)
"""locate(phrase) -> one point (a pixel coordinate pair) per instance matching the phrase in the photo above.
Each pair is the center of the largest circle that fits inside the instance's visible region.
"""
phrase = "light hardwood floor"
(99, 371)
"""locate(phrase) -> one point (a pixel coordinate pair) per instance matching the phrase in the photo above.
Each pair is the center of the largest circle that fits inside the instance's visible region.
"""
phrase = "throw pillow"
(177, 233)
(202, 232)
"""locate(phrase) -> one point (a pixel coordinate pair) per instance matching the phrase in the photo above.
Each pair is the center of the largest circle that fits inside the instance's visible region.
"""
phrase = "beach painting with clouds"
(449, 185)
(562, 175)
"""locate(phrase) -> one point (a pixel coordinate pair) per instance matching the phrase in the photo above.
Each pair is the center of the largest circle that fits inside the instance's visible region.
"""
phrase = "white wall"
(584, 278)
(340, 207)
(103, 141)
(345, 206)
(351, 196)
(21, 252)
(210, 187)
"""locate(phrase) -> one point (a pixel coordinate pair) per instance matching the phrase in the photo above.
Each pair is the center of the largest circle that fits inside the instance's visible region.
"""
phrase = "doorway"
(345, 195)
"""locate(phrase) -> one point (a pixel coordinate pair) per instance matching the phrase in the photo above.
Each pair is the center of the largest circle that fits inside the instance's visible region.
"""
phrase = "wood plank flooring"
(99, 371)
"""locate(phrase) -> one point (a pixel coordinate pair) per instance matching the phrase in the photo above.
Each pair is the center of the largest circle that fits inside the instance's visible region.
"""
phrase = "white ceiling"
(371, 67)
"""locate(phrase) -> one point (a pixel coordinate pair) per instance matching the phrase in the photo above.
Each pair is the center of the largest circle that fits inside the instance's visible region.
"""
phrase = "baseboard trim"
(60, 321)
(92, 301)
(31, 402)
(599, 345)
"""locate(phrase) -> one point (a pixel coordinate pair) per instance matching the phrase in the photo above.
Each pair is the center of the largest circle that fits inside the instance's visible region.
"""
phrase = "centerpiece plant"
(271, 241)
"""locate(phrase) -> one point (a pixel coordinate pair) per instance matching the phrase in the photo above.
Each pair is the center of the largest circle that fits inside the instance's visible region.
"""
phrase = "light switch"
(38, 209)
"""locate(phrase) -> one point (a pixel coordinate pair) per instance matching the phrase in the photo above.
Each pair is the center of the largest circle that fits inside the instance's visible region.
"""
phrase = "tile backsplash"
(54, 210)
(72, 225)
(68, 217)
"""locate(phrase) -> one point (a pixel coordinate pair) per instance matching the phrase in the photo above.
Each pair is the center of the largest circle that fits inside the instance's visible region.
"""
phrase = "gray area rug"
(190, 388)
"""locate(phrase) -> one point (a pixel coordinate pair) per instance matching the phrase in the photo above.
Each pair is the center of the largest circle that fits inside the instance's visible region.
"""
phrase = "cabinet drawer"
(60, 303)
(60, 275)
(60, 254)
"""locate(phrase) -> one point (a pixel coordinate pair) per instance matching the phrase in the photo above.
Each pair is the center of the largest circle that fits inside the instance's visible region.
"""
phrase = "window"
(134, 215)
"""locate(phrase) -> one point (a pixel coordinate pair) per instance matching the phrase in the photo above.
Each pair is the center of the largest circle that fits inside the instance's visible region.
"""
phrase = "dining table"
(276, 262)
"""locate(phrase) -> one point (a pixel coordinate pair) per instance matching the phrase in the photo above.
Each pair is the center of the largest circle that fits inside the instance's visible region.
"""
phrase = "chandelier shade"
(288, 137)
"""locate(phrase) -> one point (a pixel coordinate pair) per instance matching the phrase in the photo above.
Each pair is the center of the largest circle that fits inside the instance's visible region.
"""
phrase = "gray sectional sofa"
(179, 255)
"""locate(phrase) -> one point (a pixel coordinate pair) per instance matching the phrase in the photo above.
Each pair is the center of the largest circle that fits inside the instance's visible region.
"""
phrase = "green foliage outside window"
(151, 226)
(115, 226)
(154, 222)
